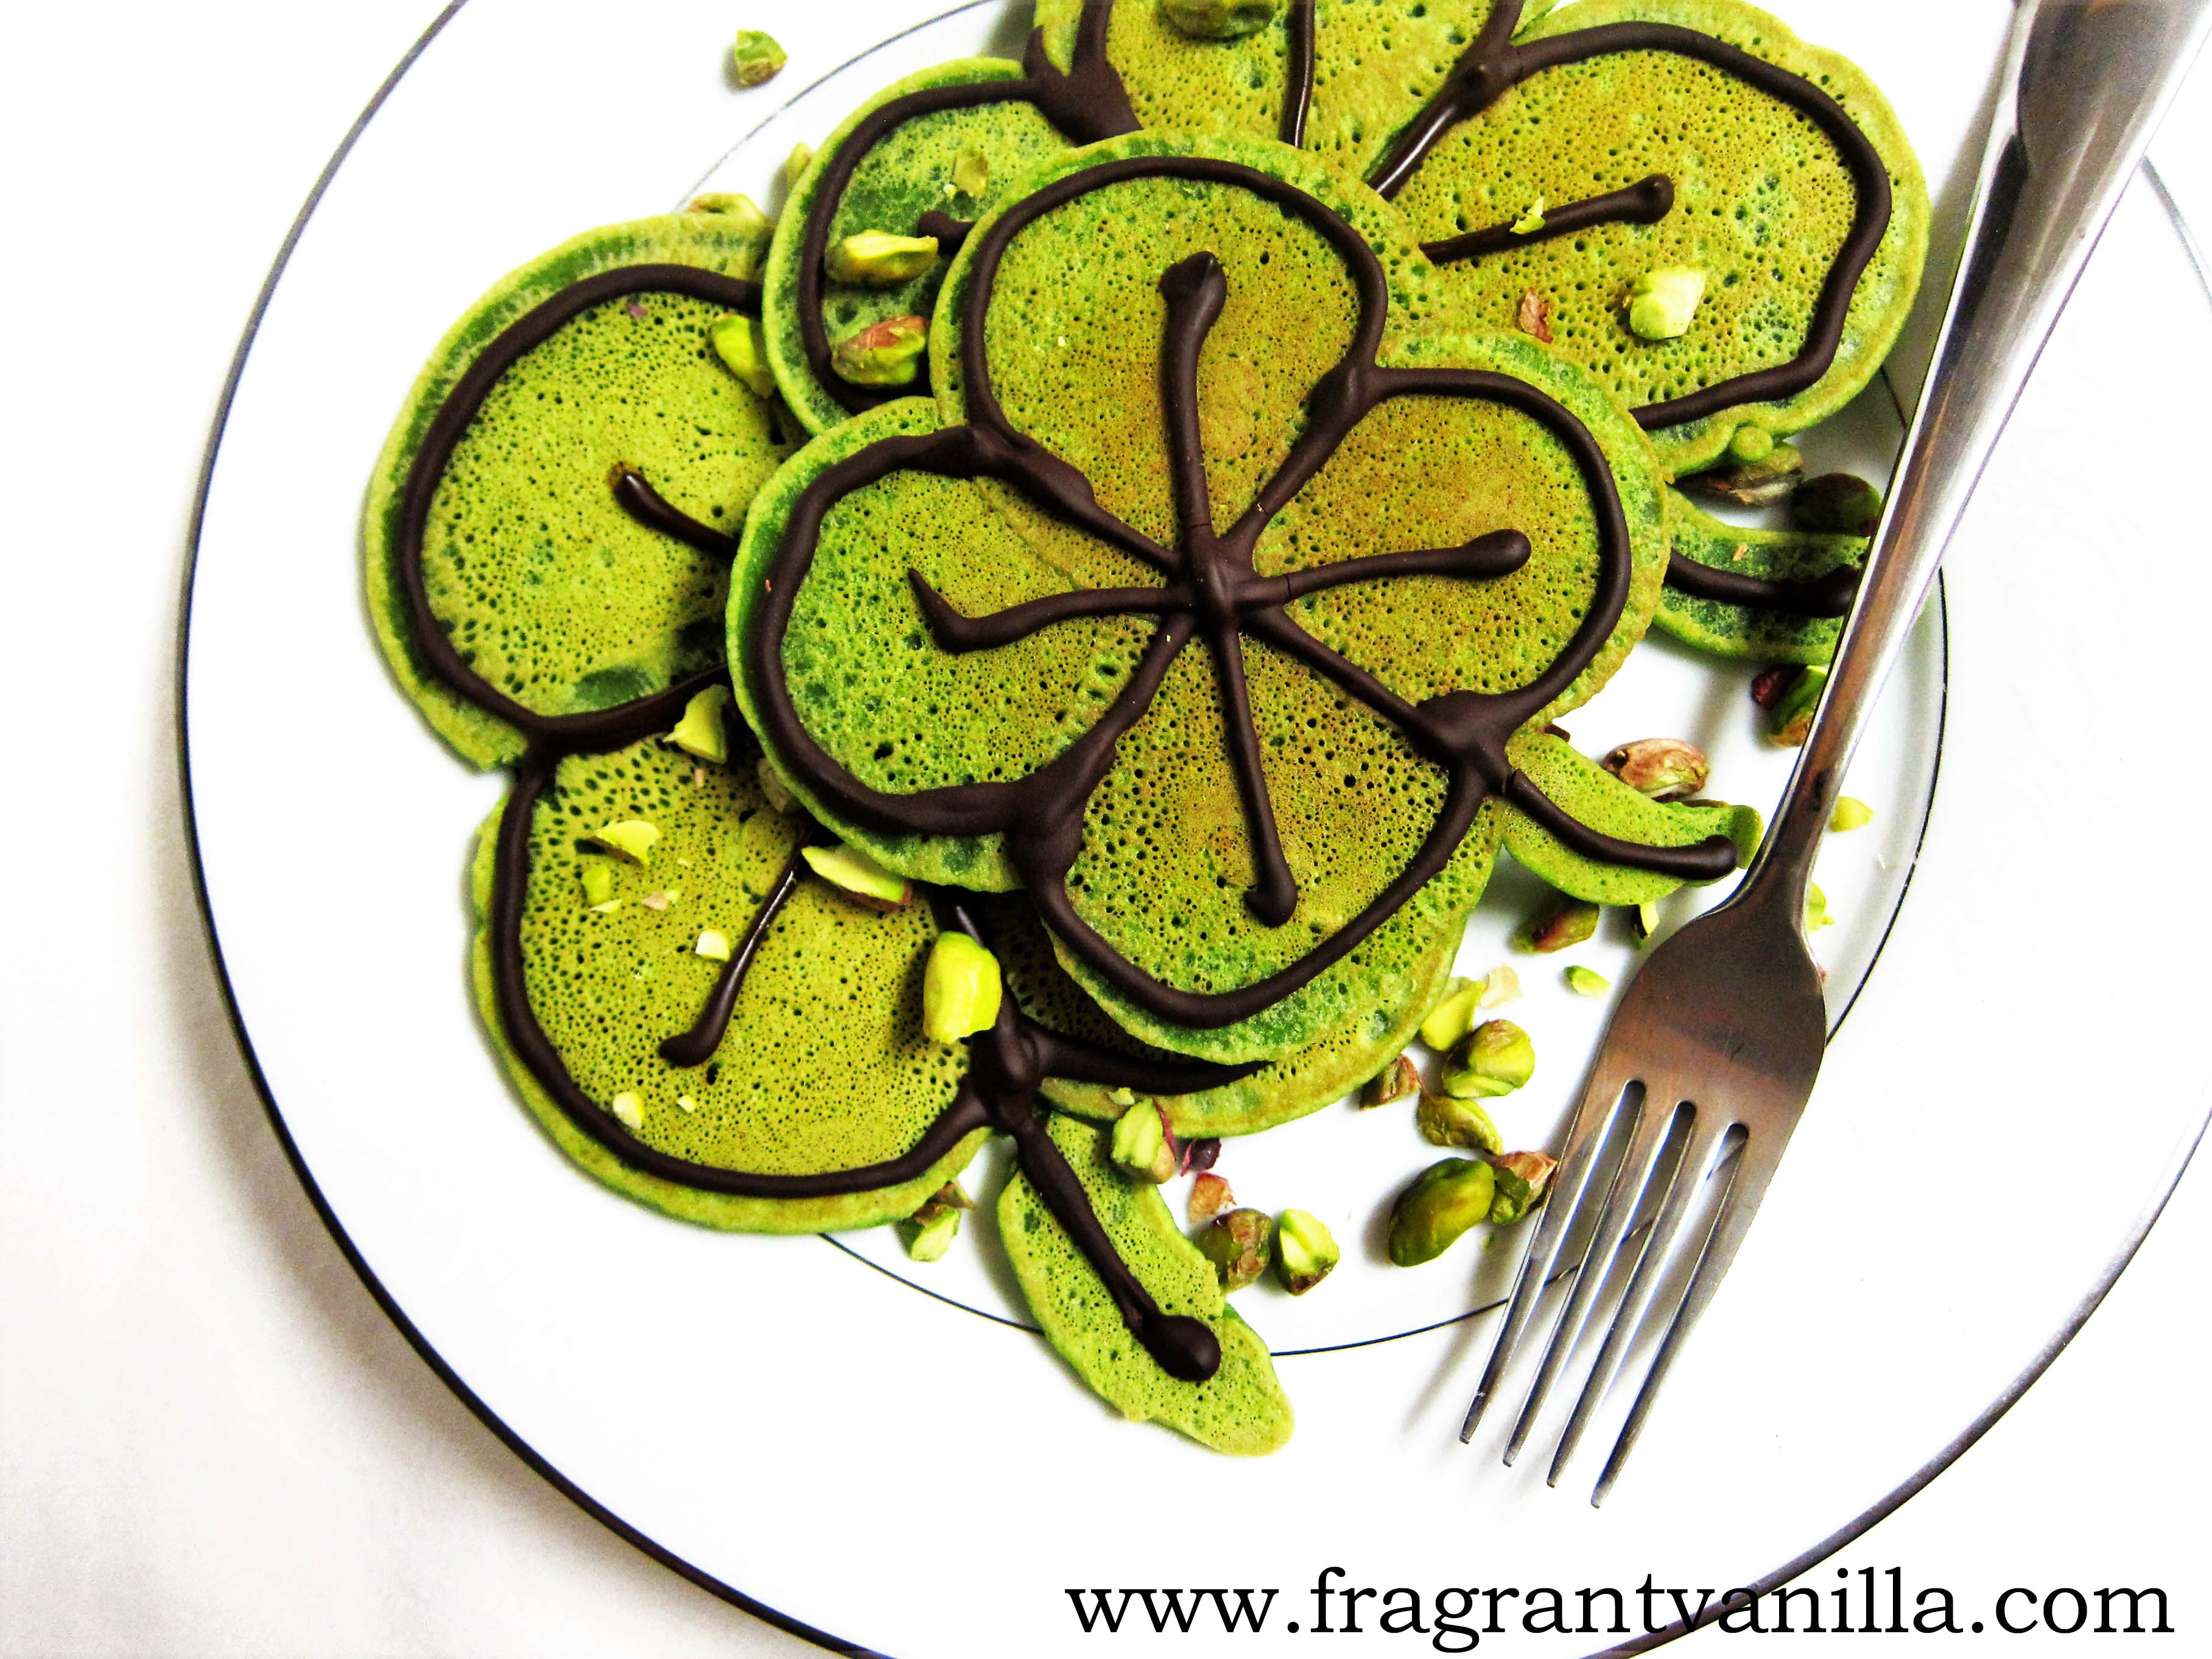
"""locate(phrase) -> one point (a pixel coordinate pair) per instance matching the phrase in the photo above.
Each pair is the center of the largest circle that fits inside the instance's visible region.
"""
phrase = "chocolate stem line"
(647, 506)
(1643, 202)
(1821, 597)
(1213, 589)
(1297, 102)
(697, 1046)
(1087, 103)
(1494, 65)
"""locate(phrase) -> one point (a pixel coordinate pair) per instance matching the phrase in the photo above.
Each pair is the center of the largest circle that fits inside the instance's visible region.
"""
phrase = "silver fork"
(1716, 1042)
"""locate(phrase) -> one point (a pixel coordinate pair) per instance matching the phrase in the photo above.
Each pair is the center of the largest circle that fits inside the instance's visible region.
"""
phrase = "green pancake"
(552, 594)
(1753, 634)
(824, 1066)
(847, 670)
(1241, 1409)
(1601, 801)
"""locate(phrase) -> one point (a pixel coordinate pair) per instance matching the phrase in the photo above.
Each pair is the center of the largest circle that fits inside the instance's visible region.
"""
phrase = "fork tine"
(1593, 1117)
(1687, 1176)
(1623, 1198)
(1755, 1164)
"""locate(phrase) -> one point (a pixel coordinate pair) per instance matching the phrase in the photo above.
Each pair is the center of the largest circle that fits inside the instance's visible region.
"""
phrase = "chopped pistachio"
(1523, 1178)
(1839, 503)
(1200, 1156)
(1663, 302)
(1218, 20)
(1791, 721)
(756, 58)
(1850, 814)
(700, 732)
(1750, 445)
(853, 872)
(1494, 1059)
(1567, 923)
(628, 1109)
(1754, 483)
(928, 1233)
(1238, 1244)
(734, 205)
(599, 882)
(742, 345)
(1209, 1197)
(1816, 909)
(602, 909)
(1454, 1014)
(961, 988)
(1122, 1096)
(1768, 685)
(1587, 981)
(686, 1103)
(1140, 1147)
(1503, 986)
(1531, 222)
(662, 898)
(971, 173)
(1643, 921)
(779, 798)
(714, 946)
(1400, 1080)
(1662, 769)
(1305, 1251)
(888, 352)
(1448, 1121)
(628, 839)
(1445, 1200)
(876, 258)
(795, 165)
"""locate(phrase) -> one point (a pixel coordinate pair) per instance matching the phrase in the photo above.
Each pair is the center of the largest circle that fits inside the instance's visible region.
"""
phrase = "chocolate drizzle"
(1086, 103)
(1299, 66)
(1494, 65)
(1643, 202)
(1823, 596)
(1006, 1066)
(637, 498)
(1212, 590)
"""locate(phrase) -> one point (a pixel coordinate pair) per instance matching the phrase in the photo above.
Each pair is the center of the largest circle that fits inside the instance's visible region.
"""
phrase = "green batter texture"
(1753, 634)
(552, 593)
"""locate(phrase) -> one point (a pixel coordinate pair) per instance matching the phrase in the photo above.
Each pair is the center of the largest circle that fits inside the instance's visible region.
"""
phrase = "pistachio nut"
(628, 1110)
(961, 987)
(772, 786)
(795, 165)
(1662, 769)
(1768, 685)
(1454, 1014)
(1200, 1156)
(1122, 1096)
(1755, 484)
(1209, 1197)
(1503, 986)
(1400, 1080)
(930, 1231)
(876, 258)
(742, 345)
(1587, 982)
(1750, 445)
(1839, 503)
(888, 352)
(1305, 1251)
(1218, 20)
(713, 946)
(1850, 814)
(735, 205)
(1663, 302)
(1452, 1120)
(1494, 1059)
(971, 173)
(1523, 1178)
(756, 58)
(1239, 1245)
(853, 873)
(1790, 721)
(630, 838)
(1569, 922)
(1816, 909)
(1445, 1200)
(599, 882)
(1531, 222)
(1643, 921)
(1140, 1148)
(700, 733)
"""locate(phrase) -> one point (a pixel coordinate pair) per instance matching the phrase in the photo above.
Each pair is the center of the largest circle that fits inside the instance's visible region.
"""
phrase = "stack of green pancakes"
(1125, 515)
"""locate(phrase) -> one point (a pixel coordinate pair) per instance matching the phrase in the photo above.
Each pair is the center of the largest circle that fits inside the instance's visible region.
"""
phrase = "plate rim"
(2147, 1218)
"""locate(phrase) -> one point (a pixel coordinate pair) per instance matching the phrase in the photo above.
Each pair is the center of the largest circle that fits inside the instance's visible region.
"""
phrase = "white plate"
(1997, 1124)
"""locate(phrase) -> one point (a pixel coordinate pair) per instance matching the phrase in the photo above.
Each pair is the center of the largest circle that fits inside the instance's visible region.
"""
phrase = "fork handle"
(2084, 84)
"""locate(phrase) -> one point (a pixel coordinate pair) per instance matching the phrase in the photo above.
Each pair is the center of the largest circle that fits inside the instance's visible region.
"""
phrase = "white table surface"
(212, 1441)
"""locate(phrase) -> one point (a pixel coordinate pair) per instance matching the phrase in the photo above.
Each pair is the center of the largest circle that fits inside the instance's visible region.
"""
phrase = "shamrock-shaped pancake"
(1203, 602)
(549, 527)
(1548, 161)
